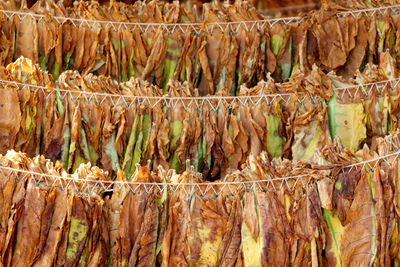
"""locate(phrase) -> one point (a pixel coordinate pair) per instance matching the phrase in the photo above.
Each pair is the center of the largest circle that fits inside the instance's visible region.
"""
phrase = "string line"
(198, 27)
(214, 101)
(108, 184)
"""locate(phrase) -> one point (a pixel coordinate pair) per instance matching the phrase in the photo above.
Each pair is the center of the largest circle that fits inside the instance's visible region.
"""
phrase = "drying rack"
(196, 27)
(95, 186)
(89, 186)
(214, 102)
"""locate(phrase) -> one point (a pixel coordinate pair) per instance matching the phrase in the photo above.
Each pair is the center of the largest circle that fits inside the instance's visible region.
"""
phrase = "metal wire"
(373, 163)
(196, 27)
(214, 102)
(365, 90)
(90, 186)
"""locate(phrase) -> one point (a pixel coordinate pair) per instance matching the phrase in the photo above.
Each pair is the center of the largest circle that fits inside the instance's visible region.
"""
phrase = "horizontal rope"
(365, 90)
(196, 27)
(97, 186)
(214, 102)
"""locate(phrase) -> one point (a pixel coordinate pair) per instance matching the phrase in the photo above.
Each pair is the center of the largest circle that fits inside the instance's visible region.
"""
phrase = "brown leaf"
(10, 124)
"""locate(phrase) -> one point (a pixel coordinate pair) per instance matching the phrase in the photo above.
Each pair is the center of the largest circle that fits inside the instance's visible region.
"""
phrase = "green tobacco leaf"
(392, 39)
(112, 152)
(170, 63)
(274, 141)
(175, 129)
(30, 119)
(77, 233)
(198, 163)
(55, 70)
(295, 69)
(287, 67)
(79, 159)
(276, 43)
(174, 163)
(126, 165)
(347, 121)
(182, 75)
(94, 156)
(72, 149)
(381, 32)
(334, 238)
(146, 129)
(84, 145)
(131, 71)
(115, 44)
(60, 106)
(43, 62)
(124, 74)
(67, 61)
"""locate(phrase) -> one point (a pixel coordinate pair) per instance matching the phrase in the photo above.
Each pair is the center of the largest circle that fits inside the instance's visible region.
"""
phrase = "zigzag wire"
(197, 27)
(90, 186)
(214, 102)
